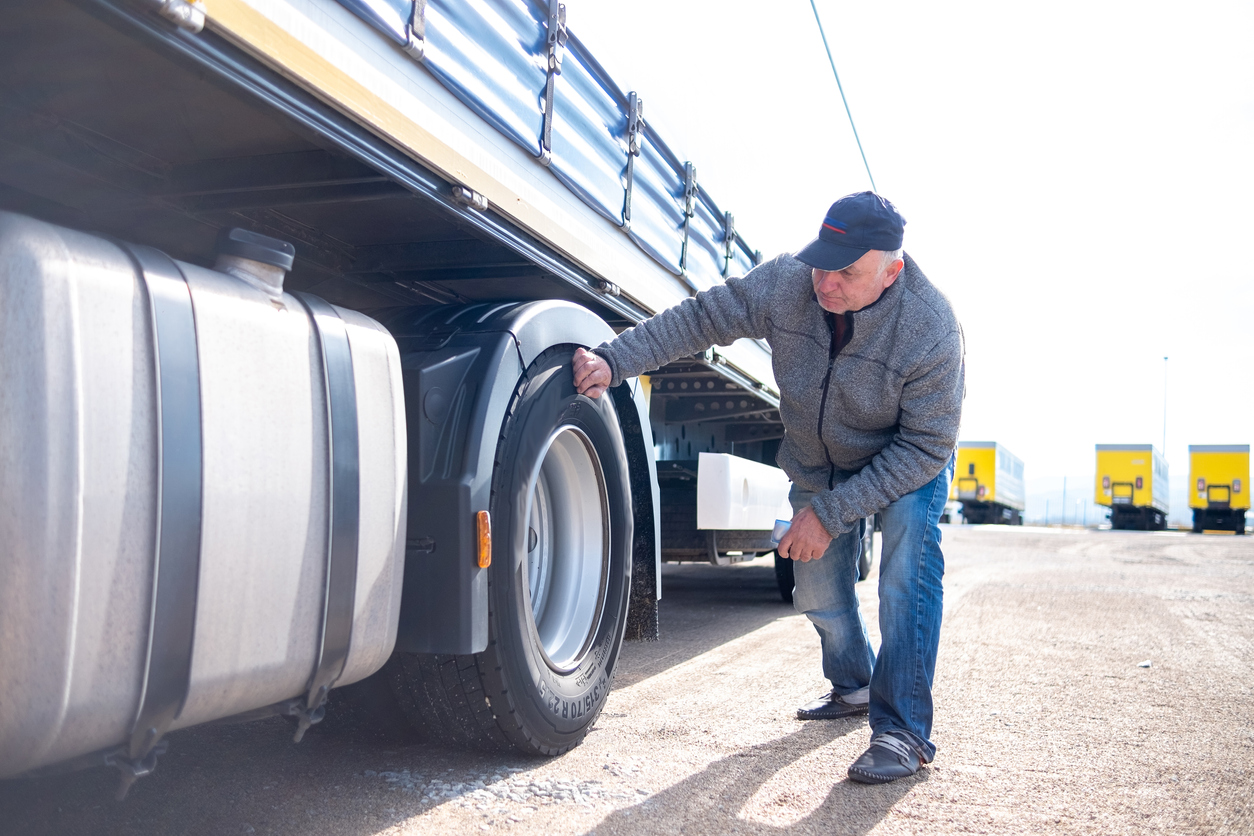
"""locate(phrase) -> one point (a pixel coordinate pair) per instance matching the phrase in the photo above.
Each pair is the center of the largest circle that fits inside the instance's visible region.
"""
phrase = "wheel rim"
(567, 542)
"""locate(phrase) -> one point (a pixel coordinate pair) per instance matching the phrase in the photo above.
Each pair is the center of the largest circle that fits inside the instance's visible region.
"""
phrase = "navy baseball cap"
(855, 225)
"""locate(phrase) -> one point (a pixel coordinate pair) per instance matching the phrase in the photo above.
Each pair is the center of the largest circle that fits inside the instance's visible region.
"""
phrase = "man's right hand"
(806, 539)
(592, 373)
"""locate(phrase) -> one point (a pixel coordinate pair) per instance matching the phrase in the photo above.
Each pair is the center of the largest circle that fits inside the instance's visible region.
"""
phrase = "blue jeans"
(911, 567)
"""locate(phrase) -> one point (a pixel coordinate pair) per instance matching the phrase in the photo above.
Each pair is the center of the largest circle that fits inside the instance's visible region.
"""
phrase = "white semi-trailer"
(288, 295)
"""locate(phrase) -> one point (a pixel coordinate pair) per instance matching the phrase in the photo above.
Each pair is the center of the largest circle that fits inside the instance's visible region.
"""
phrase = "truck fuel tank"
(202, 494)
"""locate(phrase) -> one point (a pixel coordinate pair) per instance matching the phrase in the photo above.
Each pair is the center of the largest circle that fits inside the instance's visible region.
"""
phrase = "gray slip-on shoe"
(831, 706)
(886, 759)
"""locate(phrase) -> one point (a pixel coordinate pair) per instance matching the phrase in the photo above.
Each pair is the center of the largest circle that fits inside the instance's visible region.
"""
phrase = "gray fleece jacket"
(863, 426)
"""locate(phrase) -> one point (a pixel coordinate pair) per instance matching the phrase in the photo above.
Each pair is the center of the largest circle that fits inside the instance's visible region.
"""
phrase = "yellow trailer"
(1132, 481)
(988, 481)
(1219, 492)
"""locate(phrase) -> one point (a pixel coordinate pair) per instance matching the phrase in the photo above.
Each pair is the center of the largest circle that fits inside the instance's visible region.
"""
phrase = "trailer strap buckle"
(635, 130)
(556, 47)
(416, 35)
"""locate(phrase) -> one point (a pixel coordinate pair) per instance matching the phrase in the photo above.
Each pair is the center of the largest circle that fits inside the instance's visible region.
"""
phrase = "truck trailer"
(289, 291)
(1219, 479)
(988, 481)
(1132, 482)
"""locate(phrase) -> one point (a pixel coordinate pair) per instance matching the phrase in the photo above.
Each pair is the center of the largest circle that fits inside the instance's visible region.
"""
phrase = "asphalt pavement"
(1088, 682)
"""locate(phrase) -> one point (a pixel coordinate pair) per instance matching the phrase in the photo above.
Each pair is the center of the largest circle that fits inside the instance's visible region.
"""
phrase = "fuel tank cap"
(251, 245)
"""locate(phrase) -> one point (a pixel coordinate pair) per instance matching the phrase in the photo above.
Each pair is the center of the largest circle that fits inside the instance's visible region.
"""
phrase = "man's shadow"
(710, 800)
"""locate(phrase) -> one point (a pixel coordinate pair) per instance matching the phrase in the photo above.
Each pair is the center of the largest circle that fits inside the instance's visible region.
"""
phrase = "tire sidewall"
(556, 707)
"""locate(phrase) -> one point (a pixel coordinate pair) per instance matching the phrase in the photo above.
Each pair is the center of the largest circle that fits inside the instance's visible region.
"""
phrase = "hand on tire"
(592, 373)
(806, 539)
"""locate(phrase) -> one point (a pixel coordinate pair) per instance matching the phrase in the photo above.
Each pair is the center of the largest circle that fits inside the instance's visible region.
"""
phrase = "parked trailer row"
(1132, 480)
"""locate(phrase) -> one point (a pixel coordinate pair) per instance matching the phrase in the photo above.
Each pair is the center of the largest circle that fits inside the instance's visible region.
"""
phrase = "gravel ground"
(1088, 682)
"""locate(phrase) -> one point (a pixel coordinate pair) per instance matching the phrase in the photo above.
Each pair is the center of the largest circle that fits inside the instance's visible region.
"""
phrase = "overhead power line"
(841, 88)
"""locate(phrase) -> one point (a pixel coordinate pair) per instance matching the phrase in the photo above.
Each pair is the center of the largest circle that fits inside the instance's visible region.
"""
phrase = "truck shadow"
(722, 797)
(703, 607)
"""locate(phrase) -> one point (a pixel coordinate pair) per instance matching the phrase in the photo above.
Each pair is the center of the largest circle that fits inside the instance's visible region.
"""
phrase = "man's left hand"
(806, 540)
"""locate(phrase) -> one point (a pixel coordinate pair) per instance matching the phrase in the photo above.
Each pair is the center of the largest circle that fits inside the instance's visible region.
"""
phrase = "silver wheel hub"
(567, 542)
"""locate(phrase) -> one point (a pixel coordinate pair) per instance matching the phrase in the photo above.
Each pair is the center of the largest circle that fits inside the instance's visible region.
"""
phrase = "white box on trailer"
(737, 494)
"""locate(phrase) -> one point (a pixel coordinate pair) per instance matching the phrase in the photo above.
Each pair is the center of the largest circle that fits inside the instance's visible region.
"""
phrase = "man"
(868, 356)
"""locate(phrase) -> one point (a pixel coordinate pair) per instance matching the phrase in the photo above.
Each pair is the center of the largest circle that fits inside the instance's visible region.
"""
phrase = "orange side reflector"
(483, 525)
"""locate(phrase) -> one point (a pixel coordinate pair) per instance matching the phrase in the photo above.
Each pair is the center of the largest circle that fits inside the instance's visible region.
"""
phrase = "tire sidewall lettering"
(576, 706)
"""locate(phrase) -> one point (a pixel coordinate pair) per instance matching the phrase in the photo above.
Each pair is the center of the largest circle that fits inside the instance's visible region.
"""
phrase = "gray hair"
(887, 257)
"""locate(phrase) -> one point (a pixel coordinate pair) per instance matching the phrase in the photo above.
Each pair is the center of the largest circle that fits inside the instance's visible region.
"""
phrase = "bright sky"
(1077, 177)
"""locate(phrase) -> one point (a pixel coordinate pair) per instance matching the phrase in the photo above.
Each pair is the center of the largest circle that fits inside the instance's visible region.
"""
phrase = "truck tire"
(558, 585)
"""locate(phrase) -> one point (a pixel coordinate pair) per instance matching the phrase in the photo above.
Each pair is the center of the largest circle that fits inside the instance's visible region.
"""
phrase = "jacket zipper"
(832, 351)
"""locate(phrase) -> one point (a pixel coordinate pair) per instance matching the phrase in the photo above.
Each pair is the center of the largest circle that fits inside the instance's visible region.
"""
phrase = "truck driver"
(869, 359)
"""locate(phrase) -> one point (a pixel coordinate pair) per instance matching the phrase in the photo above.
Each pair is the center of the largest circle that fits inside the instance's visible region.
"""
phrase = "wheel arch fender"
(646, 561)
(461, 366)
